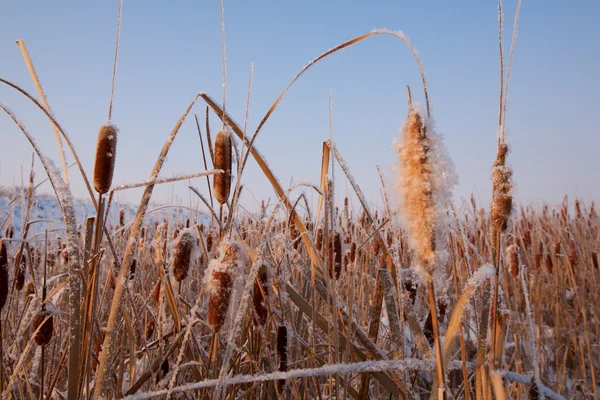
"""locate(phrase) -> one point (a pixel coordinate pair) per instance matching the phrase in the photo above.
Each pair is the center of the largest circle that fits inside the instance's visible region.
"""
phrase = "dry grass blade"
(40, 90)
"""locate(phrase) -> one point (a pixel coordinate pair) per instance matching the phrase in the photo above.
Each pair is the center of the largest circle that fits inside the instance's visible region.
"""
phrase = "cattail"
(219, 299)
(534, 391)
(573, 254)
(111, 281)
(219, 281)
(513, 259)
(106, 151)
(209, 241)
(502, 198)
(30, 289)
(577, 209)
(337, 255)
(3, 275)
(282, 351)
(164, 370)
(222, 155)
(424, 189)
(319, 243)
(132, 268)
(121, 217)
(20, 274)
(183, 254)
(595, 259)
(261, 287)
(149, 328)
(43, 321)
(353, 252)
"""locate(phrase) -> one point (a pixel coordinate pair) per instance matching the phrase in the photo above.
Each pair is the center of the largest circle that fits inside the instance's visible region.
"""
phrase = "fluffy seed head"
(106, 151)
(222, 154)
(424, 179)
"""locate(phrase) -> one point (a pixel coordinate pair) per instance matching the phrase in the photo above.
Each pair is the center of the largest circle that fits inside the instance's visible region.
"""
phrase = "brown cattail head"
(106, 151)
(282, 351)
(222, 154)
(319, 243)
(502, 198)
(4, 284)
(219, 280)
(20, 274)
(43, 321)
(260, 295)
(353, 252)
(149, 328)
(183, 254)
(132, 268)
(121, 217)
(219, 300)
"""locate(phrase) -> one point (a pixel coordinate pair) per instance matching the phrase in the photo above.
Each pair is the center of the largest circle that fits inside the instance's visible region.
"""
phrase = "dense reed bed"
(424, 297)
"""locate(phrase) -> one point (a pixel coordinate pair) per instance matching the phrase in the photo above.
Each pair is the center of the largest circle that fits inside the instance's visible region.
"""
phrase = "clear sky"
(171, 50)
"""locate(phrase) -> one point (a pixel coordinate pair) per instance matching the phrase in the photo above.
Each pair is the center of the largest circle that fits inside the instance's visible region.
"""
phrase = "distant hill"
(46, 212)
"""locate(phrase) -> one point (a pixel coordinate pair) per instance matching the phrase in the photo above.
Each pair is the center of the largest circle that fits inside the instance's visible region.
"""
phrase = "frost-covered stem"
(237, 323)
(529, 312)
(65, 199)
(115, 307)
(437, 342)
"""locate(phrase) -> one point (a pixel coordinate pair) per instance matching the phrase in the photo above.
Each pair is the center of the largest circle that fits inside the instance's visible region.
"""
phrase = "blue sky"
(172, 50)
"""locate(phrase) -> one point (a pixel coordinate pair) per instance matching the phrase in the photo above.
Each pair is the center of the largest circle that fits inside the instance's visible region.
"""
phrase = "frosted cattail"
(319, 243)
(121, 217)
(513, 259)
(424, 178)
(132, 268)
(149, 328)
(336, 248)
(282, 351)
(353, 252)
(219, 300)
(573, 253)
(502, 198)
(43, 321)
(20, 274)
(183, 254)
(220, 278)
(4, 284)
(222, 155)
(261, 286)
(106, 151)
